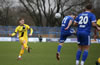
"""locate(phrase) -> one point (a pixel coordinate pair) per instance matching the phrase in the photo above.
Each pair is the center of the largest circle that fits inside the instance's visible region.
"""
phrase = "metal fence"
(49, 32)
(43, 31)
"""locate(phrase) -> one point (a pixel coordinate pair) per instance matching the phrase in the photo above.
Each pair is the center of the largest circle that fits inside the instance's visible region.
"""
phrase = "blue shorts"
(83, 38)
(63, 37)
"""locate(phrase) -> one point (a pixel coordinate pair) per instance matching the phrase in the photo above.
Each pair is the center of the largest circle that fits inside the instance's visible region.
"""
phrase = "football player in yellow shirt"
(95, 32)
(98, 22)
(22, 31)
(95, 37)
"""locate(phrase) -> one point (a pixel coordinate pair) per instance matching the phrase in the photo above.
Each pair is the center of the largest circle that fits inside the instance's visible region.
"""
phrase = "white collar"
(87, 11)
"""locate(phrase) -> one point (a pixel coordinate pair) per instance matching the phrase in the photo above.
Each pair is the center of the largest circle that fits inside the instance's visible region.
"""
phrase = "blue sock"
(78, 54)
(85, 55)
(59, 48)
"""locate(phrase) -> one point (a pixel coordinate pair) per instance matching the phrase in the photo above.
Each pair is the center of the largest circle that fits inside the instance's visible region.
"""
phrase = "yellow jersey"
(98, 22)
(22, 31)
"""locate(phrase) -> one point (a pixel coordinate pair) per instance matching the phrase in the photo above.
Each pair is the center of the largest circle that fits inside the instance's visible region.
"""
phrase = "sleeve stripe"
(15, 32)
(94, 21)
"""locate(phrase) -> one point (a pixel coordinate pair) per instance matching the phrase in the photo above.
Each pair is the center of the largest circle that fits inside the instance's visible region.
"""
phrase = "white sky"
(96, 3)
(15, 2)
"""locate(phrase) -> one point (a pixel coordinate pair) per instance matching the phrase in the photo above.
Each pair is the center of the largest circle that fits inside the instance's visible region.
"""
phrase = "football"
(57, 15)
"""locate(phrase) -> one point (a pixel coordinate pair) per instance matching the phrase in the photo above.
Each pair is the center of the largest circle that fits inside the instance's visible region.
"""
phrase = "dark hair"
(89, 7)
(72, 13)
(20, 19)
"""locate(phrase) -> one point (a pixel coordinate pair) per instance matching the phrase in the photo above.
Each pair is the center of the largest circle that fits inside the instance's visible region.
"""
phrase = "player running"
(84, 21)
(22, 31)
(65, 32)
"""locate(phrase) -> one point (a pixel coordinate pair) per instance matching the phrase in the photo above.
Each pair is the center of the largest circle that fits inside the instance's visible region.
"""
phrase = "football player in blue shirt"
(65, 32)
(84, 21)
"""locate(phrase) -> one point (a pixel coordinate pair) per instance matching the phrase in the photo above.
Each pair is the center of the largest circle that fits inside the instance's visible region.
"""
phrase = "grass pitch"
(44, 54)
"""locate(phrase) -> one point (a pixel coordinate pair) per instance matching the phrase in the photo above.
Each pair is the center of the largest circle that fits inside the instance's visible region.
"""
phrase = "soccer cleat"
(97, 63)
(28, 49)
(19, 58)
(58, 56)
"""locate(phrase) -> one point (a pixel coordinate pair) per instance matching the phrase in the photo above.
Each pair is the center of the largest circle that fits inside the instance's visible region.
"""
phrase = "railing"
(43, 31)
(50, 32)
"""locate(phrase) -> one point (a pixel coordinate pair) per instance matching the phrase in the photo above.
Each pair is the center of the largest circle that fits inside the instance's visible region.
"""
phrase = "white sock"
(19, 56)
(82, 62)
(77, 62)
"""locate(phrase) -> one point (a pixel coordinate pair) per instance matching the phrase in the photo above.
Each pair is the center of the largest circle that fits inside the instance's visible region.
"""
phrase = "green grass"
(44, 54)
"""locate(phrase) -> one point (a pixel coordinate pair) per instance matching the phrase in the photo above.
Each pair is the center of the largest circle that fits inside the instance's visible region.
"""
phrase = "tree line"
(40, 12)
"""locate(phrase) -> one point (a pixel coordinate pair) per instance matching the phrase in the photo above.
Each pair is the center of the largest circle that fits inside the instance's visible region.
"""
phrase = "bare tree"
(43, 11)
(4, 9)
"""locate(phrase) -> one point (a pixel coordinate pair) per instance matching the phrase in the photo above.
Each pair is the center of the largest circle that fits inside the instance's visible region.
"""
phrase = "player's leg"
(85, 47)
(22, 48)
(21, 53)
(61, 42)
(85, 54)
(79, 51)
(59, 47)
(25, 45)
(98, 61)
(58, 51)
(78, 54)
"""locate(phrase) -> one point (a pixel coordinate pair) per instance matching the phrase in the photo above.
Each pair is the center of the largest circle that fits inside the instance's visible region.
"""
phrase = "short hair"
(89, 7)
(20, 19)
(72, 13)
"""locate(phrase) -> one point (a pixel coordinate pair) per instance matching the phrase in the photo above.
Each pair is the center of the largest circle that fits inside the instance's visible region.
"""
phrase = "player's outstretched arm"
(95, 26)
(14, 33)
(31, 32)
